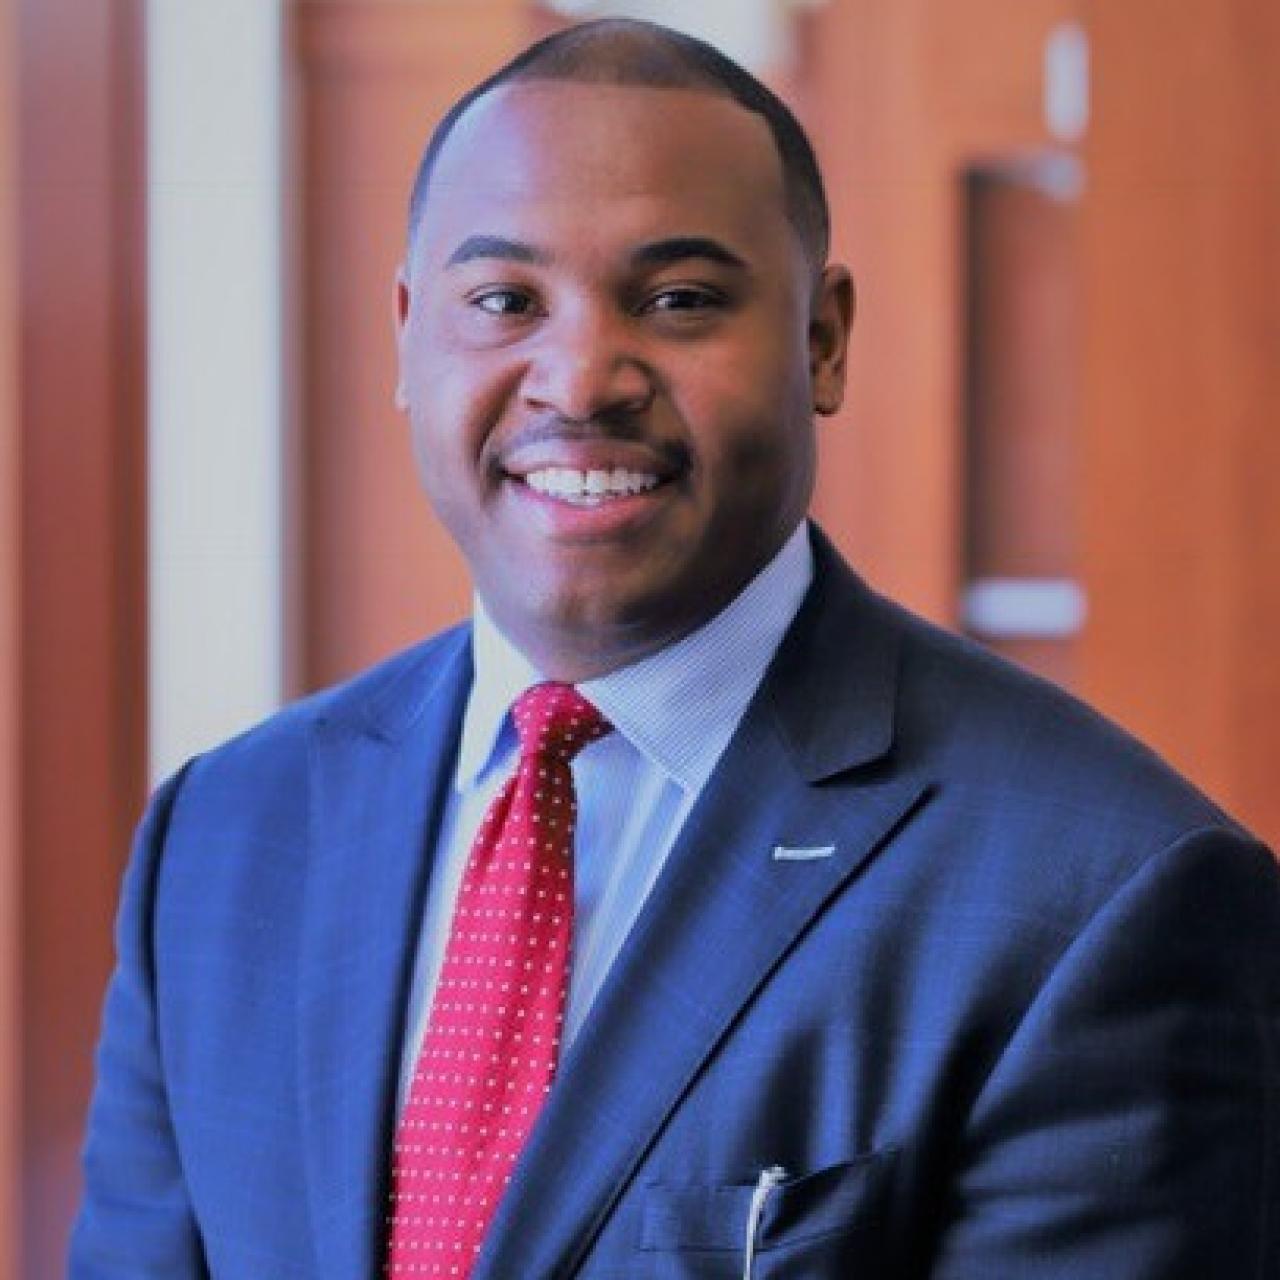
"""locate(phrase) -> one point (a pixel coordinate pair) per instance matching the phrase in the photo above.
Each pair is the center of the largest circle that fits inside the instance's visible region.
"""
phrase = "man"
(887, 960)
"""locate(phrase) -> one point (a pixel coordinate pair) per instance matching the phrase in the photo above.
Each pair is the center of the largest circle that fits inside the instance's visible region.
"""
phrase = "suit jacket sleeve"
(1131, 1127)
(135, 1219)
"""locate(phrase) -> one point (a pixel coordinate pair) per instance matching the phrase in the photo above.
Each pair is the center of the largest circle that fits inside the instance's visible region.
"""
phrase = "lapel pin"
(797, 853)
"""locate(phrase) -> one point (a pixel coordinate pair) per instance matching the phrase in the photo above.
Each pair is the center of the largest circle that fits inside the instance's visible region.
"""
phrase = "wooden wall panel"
(373, 78)
(1182, 451)
(10, 654)
(1022, 420)
(1023, 381)
(80, 565)
(906, 96)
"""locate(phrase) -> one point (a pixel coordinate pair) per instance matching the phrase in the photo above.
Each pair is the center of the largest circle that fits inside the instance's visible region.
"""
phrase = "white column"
(215, 395)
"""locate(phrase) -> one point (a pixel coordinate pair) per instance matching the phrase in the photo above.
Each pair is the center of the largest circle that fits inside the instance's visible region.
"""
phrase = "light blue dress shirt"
(673, 715)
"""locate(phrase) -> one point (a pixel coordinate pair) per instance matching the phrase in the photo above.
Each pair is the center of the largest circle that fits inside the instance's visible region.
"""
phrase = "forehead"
(587, 154)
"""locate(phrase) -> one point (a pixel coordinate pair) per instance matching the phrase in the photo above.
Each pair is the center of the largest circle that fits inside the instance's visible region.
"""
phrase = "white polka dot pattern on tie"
(491, 1047)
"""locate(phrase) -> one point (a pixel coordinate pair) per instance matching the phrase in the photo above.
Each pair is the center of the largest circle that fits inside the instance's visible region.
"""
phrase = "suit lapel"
(379, 780)
(723, 915)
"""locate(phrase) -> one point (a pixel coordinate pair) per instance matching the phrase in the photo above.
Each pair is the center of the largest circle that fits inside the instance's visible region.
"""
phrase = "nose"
(586, 366)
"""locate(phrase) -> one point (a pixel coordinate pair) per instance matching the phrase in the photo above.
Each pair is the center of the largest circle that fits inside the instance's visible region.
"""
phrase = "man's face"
(611, 347)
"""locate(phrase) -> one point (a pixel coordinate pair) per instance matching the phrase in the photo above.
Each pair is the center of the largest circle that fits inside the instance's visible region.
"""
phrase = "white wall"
(215, 394)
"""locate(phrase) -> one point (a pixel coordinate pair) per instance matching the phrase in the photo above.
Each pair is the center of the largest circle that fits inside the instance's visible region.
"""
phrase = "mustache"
(614, 427)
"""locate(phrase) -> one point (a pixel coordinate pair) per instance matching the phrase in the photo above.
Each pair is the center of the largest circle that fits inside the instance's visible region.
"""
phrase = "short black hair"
(625, 51)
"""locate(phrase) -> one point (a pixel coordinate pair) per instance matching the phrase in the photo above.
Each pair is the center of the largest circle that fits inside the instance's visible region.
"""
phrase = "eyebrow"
(662, 253)
(658, 253)
(485, 246)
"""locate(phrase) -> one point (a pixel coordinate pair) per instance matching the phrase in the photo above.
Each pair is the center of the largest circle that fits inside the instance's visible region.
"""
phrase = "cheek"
(763, 370)
(455, 406)
(434, 474)
(751, 420)
(443, 456)
(439, 368)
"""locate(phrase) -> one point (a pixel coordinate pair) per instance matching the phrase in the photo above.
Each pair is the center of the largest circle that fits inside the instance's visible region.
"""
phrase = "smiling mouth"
(590, 488)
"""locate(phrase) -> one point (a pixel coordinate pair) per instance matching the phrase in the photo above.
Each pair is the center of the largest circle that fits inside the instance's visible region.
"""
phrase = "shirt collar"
(502, 674)
(680, 706)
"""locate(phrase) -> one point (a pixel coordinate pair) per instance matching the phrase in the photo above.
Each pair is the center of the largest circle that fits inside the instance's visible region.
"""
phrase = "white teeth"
(588, 487)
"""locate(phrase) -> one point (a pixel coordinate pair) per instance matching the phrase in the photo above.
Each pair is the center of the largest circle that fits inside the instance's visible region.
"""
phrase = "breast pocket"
(815, 1226)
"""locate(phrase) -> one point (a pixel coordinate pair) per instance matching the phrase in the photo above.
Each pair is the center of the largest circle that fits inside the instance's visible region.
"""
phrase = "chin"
(591, 635)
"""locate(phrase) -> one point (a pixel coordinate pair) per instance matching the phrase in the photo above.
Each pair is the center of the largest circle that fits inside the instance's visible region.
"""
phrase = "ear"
(400, 312)
(830, 320)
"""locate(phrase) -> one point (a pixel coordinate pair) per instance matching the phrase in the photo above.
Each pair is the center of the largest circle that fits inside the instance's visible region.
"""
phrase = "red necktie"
(489, 1054)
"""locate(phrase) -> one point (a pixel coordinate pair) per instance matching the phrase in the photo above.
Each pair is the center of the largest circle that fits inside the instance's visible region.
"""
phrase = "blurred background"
(1062, 435)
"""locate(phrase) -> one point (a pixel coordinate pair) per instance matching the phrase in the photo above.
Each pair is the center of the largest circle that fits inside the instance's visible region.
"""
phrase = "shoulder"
(1041, 802)
(1037, 811)
(1025, 781)
(270, 759)
(992, 727)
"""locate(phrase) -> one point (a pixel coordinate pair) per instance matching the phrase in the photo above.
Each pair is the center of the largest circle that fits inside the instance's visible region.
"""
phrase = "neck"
(574, 656)
(573, 646)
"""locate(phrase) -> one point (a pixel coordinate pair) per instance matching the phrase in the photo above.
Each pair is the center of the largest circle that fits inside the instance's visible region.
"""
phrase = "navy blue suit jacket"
(1022, 1020)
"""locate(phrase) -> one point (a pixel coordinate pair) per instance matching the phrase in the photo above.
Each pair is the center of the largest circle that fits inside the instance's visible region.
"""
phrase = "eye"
(503, 302)
(684, 298)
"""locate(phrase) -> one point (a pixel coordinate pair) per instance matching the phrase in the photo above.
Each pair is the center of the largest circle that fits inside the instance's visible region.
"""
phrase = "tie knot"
(556, 720)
